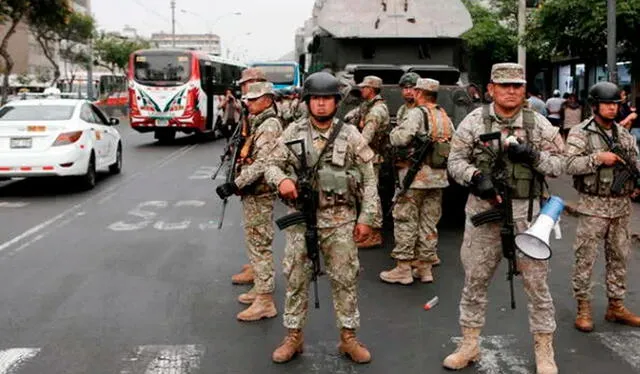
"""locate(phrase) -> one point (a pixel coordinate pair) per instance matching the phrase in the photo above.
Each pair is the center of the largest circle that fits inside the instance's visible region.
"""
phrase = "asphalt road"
(134, 277)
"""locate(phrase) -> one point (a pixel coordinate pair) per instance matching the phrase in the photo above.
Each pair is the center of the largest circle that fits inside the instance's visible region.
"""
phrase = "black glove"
(482, 187)
(226, 189)
(522, 153)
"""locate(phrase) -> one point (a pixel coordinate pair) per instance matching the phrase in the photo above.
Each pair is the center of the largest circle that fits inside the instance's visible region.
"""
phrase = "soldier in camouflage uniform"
(257, 199)
(372, 119)
(540, 149)
(408, 82)
(604, 214)
(343, 170)
(249, 75)
(417, 213)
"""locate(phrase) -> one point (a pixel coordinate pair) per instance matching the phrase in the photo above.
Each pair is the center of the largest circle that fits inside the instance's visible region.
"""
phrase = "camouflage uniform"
(349, 156)
(603, 216)
(402, 112)
(419, 210)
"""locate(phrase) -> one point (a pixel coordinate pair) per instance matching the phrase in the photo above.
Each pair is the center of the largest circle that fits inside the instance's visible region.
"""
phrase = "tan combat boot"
(290, 346)
(350, 346)
(543, 345)
(244, 277)
(584, 321)
(248, 298)
(436, 262)
(468, 350)
(262, 307)
(422, 271)
(371, 241)
(619, 314)
(400, 274)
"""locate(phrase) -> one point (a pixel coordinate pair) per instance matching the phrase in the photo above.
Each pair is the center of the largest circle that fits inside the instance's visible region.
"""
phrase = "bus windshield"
(279, 74)
(162, 69)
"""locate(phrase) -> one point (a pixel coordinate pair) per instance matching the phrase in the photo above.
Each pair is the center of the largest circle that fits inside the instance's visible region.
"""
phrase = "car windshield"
(36, 112)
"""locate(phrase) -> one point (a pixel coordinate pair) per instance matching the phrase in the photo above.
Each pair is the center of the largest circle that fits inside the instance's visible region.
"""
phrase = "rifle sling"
(332, 137)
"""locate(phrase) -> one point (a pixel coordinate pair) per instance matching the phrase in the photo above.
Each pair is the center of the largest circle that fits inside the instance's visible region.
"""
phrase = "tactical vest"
(244, 158)
(380, 142)
(521, 178)
(338, 180)
(600, 182)
(435, 128)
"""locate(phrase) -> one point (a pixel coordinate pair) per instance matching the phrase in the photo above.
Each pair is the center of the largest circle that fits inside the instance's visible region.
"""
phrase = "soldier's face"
(608, 111)
(257, 106)
(409, 94)
(508, 96)
(367, 93)
(322, 106)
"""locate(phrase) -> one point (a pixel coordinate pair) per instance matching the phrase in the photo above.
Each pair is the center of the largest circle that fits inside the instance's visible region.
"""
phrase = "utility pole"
(522, 23)
(611, 41)
(173, 23)
(90, 71)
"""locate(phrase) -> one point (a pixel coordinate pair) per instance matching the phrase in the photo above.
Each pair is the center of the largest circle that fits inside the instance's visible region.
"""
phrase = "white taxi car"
(58, 137)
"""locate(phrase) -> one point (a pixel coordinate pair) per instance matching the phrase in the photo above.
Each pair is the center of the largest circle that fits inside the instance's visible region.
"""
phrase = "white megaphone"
(534, 242)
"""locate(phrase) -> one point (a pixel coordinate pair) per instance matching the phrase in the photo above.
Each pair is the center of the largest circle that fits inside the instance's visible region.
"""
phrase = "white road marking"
(13, 204)
(25, 245)
(181, 152)
(499, 357)
(194, 203)
(324, 358)
(164, 359)
(171, 226)
(146, 216)
(203, 172)
(12, 359)
(625, 344)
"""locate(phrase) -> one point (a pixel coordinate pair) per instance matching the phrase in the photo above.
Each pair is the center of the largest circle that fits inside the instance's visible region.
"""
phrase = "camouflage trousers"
(481, 254)
(590, 233)
(342, 266)
(416, 216)
(258, 234)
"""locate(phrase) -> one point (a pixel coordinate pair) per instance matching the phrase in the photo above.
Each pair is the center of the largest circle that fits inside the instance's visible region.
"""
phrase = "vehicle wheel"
(165, 136)
(116, 167)
(88, 180)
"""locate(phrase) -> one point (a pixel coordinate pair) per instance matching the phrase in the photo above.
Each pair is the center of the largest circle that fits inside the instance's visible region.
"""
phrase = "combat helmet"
(604, 92)
(321, 84)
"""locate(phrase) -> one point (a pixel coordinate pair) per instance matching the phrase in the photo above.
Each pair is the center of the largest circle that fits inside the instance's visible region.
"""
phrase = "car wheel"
(88, 180)
(116, 167)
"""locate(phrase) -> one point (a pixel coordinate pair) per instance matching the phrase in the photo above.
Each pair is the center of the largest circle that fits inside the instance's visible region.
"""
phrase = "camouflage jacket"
(582, 147)
(465, 147)
(372, 119)
(440, 129)
(348, 155)
(402, 112)
(265, 128)
(292, 110)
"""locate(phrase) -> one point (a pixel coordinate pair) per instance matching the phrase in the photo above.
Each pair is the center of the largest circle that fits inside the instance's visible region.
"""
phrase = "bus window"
(279, 74)
(162, 69)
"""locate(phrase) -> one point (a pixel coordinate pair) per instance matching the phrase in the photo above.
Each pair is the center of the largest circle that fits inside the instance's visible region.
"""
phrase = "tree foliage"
(112, 52)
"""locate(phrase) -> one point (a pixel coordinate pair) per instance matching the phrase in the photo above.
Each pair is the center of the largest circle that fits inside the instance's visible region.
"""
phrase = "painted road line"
(12, 359)
(498, 356)
(13, 204)
(164, 359)
(625, 344)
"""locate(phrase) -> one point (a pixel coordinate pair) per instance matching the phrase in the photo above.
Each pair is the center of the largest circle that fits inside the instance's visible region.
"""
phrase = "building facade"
(209, 43)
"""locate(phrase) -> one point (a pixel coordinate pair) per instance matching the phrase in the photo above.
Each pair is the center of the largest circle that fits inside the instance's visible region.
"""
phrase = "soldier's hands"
(482, 187)
(287, 189)
(226, 189)
(608, 158)
(361, 232)
(522, 153)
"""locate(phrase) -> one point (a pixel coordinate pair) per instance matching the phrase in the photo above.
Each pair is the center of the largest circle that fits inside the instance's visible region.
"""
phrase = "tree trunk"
(8, 61)
(49, 54)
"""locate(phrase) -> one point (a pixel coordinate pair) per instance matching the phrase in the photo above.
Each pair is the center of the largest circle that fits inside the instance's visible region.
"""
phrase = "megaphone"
(534, 242)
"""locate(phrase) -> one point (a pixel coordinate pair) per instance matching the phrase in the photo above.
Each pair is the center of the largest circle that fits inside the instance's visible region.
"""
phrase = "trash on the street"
(431, 303)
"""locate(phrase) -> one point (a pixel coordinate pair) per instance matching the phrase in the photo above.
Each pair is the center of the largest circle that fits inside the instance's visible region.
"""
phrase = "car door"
(97, 129)
(109, 133)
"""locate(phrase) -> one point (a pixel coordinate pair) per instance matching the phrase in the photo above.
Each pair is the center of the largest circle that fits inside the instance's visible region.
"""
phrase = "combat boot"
(468, 350)
(262, 307)
(248, 298)
(400, 274)
(436, 262)
(543, 345)
(244, 277)
(422, 271)
(584, 321)
(350, 346)
(371, 241)
(290, 346)
(619, 314)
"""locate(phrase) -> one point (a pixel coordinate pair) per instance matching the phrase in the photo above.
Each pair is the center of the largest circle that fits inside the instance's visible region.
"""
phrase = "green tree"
(112, 52)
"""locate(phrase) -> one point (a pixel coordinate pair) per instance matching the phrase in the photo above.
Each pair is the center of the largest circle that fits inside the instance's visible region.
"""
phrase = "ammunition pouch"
(520, 177)
(338, 187)
(439, 155)
(607, 181)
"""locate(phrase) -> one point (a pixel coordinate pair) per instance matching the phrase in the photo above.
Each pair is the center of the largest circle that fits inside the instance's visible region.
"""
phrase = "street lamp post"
(209, 25)
(611, 41)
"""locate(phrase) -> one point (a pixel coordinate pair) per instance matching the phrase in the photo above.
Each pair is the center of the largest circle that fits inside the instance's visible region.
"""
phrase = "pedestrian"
(230, 108)
(536, 102)
(538, 152)
(341, 165)
(554, 106)
(417, 212)
(571, 114)
(605, 212)
(257, 199)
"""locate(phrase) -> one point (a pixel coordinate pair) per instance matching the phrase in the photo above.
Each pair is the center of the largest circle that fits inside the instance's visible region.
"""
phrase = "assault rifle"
(625, 171)
(422, 145)
(307, 205)
(504, 211)
(230, 157)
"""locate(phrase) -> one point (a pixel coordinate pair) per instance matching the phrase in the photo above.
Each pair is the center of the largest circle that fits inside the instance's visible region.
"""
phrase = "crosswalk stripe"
(164, 359)
(625, 344)
(497, 356)
(12, 359)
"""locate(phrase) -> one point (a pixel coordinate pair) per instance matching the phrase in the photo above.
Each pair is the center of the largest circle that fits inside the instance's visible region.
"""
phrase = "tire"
(116, 167)
(88, 180)
(166, 136)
